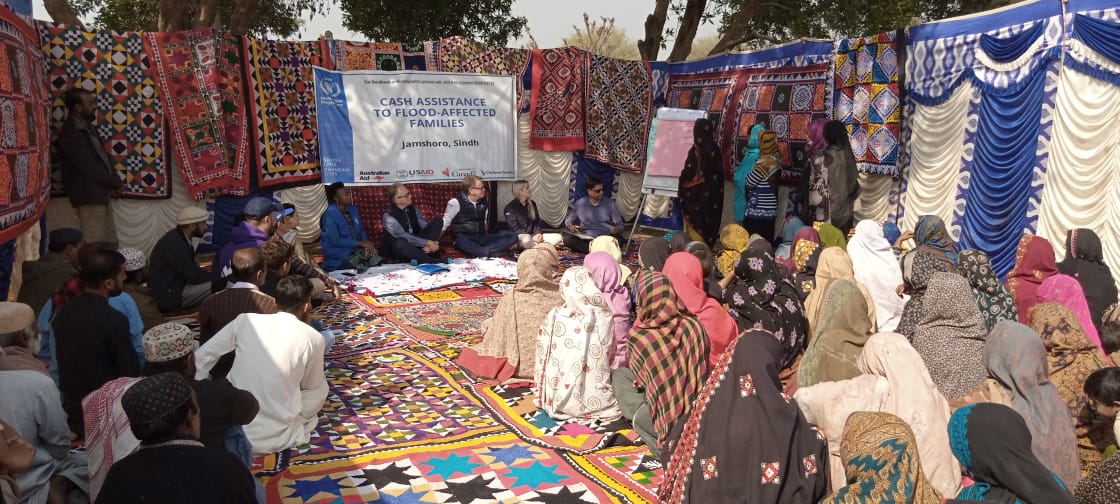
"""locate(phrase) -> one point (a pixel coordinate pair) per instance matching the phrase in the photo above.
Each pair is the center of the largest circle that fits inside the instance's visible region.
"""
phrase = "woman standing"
(833, 186)
(700, 187)
(762, 200)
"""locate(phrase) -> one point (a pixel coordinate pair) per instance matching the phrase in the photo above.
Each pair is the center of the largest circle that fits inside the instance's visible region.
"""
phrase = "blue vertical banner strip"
(336, 134)
(1000, 183)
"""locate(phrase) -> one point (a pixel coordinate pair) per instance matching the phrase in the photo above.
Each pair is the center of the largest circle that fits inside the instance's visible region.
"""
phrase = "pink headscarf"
(687, 277)
(1066, 290)
(817, 142)
(604, 271)
(806, 233)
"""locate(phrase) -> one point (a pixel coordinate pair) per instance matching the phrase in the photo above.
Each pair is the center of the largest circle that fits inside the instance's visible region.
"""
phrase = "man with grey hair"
(408, 235)
(30, 402)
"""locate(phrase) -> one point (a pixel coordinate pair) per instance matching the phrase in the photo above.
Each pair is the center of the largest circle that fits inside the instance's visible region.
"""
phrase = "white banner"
(376, 128)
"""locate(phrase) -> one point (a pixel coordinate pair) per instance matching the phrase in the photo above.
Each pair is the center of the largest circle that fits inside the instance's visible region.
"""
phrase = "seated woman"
(408, 235)
(524, 219)
(882, 463)
(592, 216)
(509, 338)
(1066, 290)
(652, 254)
(950, 336)
(609, 244)
(668, 354)
(573, 353)
(993, 444)
(992, 298)
(733, 240)
(687, 277)
(1103, 484)
(344, 240)
(894, 381)
(1085, 262)
(605, 273)
(832, 265)
(918, 267)
(745, 440)
(841, 328)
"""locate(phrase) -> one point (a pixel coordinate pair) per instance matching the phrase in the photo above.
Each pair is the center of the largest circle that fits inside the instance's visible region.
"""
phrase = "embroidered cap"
(191, 215)
(15, 317)
(155, 397)
(167, 342)
(133, 259)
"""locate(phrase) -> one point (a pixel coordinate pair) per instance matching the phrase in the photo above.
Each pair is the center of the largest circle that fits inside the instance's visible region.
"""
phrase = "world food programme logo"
(330, 88)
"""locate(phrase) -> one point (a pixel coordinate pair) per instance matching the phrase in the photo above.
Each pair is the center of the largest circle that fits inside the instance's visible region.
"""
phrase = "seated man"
(592, 216)
(172, 466)
(30, 403)
(242, 296)
(286, 375)
(302, 263)
(408, 235)
(468, 216)
(135, 285)
(344, 240)
(260, 222)
(177, 282)
(60, 263)
(92, 342)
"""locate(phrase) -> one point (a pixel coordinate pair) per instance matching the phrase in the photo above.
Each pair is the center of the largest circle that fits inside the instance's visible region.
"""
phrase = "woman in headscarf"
(700, 187)
(1102, 485)
(992, 298)
(806, 254)
(604, 272)
(831, 236)
(734, 240)
(841, 329)
(876, 268)
(1016, 360)
(609, 244)
(950, 336)
(762, 200)
(1085, 262)
(573, 353)
(509, 338)
(918, 268)
(993, 444)
(833, 183)
(687, 278)
(668, 354)
(678, 242)
(891, 233)
(1034, 263)
(746, 166)
(776, 457)
(834, 264)
(1064, 289)
(785, 248)
(759, 298)
(882, 463)
(652, 254)
(894, 381)
(1070, 358)
(931, 236)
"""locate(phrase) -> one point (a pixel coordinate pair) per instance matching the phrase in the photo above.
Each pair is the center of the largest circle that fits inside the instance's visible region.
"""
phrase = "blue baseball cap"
(260, 206)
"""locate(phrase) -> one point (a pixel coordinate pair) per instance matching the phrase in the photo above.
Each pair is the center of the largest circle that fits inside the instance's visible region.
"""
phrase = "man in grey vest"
(467, 216)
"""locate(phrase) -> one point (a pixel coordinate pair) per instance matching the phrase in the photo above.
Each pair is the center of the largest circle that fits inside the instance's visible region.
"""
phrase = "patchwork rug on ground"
(403, 423)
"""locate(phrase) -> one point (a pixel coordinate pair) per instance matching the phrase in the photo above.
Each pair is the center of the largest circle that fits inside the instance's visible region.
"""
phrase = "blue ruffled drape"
(1100, 35)
(1011, 48)
(999, 185)
(7, 265)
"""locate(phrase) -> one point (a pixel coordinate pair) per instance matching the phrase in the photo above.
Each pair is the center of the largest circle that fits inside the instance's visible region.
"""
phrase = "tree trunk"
(207, 13)
(655, 27)
(243, 15)
(735, 32)
(690, 22)
(173, 15)
(61, 12)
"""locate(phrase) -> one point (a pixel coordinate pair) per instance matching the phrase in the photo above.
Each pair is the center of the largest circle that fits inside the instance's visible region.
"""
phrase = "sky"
(549, 20)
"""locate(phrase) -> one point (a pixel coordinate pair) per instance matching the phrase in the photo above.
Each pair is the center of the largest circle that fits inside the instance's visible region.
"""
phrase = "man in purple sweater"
(592, 216)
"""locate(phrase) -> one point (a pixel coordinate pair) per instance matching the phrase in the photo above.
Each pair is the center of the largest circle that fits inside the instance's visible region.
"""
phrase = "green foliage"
(281, 18)
(415, 21)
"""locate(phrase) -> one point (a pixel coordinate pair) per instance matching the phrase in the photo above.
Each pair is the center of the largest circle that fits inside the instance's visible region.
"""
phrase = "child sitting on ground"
(1103, 389)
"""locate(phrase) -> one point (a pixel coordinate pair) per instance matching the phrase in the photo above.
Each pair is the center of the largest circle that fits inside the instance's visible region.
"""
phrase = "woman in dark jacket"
(522, 215)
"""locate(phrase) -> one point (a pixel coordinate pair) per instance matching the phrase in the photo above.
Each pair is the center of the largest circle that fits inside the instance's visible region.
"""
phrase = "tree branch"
(655, 25)
(243, 15)
(690, 22)
(734, 33)
(61, 12)
(173, 15)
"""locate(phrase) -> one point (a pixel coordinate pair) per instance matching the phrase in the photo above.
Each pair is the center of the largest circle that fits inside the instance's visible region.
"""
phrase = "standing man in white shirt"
(283, 367)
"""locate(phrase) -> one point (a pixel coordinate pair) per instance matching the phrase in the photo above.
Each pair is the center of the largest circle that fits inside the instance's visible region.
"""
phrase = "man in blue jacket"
(344, 239)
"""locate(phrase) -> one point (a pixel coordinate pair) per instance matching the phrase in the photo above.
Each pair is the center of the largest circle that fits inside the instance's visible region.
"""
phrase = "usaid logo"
(412, 173)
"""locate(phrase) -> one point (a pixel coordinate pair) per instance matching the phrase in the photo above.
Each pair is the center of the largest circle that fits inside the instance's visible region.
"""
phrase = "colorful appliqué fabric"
(286, 136)
(786, 100)
(714, 93)
(118, 70)
(556, 106)
(24, 128)
(463, 55)
(619, 108)
(387, 56)
(867, 100)
(200, 77)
